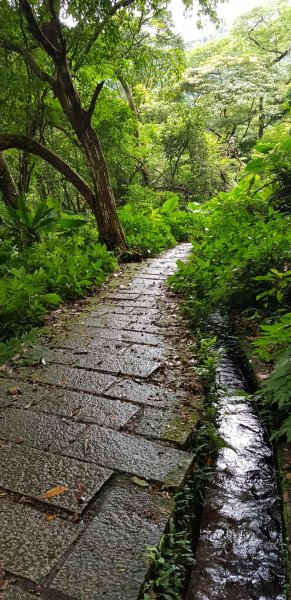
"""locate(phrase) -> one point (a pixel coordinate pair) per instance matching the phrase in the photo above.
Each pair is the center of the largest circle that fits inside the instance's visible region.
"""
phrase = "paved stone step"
(67, 377)
(110, 561)
(32, 472)
(100, 413)
(38, 430)
(14, 593)
(87, 408)
(147, 393)
(132, 454)
(30, 544)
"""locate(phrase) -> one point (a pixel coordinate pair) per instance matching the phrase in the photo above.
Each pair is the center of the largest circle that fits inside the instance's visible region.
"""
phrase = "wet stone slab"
(120, 365)
(38, 430)
(110, 307)
(132, 454)
(19, 394)
(167, 425)
(30, 545)
(130, 521)
(146, 393)
(137, 337)
(127, 322)
(79, 379)
(119, 295)
(143, 351)
(32, 472)
(88, 408)
(14, 593)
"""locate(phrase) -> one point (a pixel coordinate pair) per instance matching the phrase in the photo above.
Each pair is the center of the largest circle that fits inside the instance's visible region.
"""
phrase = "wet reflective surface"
(240, 553)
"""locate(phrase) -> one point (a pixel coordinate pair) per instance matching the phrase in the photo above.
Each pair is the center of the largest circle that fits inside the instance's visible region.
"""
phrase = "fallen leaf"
(75, 411)
(288, 476)
(4, 584)
(13, 390)
(16, 356)
(140, 482)
(86, 445)
(55, 491)
(80, 491)
(51, 517)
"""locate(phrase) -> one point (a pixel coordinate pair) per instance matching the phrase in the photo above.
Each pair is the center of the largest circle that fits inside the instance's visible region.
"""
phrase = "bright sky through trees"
(228, 12)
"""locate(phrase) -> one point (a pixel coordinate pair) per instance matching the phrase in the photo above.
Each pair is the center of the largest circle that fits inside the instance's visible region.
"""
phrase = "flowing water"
(240, 549)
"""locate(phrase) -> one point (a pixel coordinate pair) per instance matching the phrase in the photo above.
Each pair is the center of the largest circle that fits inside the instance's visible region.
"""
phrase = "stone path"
(106, 413)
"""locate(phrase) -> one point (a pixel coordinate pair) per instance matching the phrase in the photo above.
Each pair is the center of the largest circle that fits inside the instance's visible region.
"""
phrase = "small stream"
(240, 549)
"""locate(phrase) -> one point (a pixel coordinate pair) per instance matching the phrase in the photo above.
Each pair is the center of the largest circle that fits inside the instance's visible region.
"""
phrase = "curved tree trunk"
(104, 207)
(52, 41)
(7, 184)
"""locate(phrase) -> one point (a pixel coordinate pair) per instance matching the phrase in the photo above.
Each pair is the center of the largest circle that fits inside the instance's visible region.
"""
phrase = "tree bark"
(22, 142)
(103, 202)
(51, 40)
(7, 184)
(261, 117)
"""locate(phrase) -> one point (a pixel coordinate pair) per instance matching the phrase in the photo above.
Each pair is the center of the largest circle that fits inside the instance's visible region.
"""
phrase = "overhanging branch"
(37, 70)
(100, 26)
(23, 142)
(94, 99)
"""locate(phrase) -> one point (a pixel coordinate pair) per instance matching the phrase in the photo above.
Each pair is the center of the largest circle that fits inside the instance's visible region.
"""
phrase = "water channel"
(240, 549)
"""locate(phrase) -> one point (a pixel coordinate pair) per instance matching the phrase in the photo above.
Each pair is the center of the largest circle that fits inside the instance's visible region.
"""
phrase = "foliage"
(169, 562)
(240, 260)
(274, 345)
(27, 226)
(46, 274)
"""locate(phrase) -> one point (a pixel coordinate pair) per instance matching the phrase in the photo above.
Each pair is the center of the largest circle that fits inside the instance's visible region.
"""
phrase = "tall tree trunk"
(104, 207)
(261, 117)
(51, 39)
(131, 103)
(7, 184)
(103, 203)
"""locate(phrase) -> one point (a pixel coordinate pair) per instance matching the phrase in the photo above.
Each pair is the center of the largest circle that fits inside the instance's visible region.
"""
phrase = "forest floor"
(96, 440)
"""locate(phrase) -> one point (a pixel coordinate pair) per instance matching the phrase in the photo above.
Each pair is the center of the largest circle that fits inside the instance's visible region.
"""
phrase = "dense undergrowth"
(47, 258)
(241, 260)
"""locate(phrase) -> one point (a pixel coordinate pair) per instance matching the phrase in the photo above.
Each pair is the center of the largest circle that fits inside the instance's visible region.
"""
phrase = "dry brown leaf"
(80, 491)
(51, 517)
(4, 584)
(75, 411)
(55, 491)
(86, 445)
(288, 476)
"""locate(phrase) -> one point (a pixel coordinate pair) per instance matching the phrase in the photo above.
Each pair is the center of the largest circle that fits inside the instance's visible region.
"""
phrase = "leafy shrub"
(241, 260)
(274, 345)
(27, 226)
(146, 230)
(42, 276)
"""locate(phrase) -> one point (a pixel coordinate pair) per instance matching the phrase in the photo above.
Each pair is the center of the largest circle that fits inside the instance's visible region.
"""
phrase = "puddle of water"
(240, 549)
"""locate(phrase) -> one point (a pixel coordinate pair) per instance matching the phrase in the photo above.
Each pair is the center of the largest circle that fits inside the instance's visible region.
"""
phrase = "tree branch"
(94, 99)
(37, 70)
(38, 33)
(23, 142)
(114, 9)
(281, 56)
